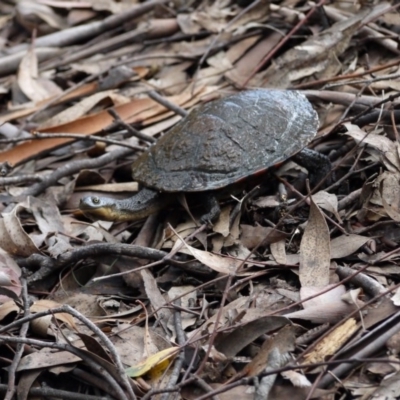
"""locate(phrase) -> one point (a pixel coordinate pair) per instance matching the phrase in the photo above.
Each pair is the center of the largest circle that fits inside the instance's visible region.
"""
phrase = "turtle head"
(139, 206)
(96, 207)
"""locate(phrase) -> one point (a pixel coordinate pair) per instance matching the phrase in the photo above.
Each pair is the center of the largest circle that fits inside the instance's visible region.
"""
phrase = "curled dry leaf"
(10, 274)
(378, 142)
(44, 305)
(32, 14)
(328, 202)
(28, 78)
(40, 326)
(13, 238)
(315, 250)
(7, 308)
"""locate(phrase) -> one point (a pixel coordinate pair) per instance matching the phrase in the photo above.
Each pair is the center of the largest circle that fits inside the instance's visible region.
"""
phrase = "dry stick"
(106, 341)
(283, 41)
(109, 345)
(174, 376)
(49, 265)
(47, 392)
(347, 98)
(81, 33)
(49, 135)
(202, 384)
(90, 379)
(74, 167)
(349, 107)
(369, 285)
(166, 103)
(116, 41)
(246, 381)
(336, 326)
(134, 132)
(372, 33)
(217, 320)
(307, 201)
(350, 198)
(19, 179)
(364, 81)
(20, 347)
(85, 356)
(347, 76)
(167, 257)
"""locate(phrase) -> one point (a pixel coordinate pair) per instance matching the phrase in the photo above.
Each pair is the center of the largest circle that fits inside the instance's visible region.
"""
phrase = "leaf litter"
(289, 287)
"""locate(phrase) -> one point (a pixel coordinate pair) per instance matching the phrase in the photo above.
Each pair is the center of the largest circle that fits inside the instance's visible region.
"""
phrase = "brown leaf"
(44, 305)
(315, 250)
(136, 111)
(327, 201)
(45, 358)
(345, 245)
(273, 353)
(278, 251)
(224, 265)
(13, 238)
(253, 236)
(28, 78)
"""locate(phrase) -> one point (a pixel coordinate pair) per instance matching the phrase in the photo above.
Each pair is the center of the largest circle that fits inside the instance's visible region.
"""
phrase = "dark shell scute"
(227, 140)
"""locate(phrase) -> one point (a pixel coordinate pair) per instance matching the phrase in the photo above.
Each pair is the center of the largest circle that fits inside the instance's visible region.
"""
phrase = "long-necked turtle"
(218, 144)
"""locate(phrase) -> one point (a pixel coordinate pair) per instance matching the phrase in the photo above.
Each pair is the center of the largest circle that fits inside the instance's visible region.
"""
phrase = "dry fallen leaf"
(161, 359)
(315, 250)
(13, 238)
(345, 245)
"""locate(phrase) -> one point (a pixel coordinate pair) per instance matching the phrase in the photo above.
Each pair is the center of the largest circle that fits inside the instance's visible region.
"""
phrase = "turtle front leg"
(318, 165)
(212, 209)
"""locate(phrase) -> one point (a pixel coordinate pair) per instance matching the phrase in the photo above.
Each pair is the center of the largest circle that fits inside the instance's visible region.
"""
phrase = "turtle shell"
(224, 141)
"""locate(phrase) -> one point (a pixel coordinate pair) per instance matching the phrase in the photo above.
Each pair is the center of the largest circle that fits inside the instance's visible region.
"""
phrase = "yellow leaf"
(155, 361)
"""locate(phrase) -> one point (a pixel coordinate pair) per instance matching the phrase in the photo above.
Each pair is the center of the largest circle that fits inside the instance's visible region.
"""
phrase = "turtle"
(215, 146)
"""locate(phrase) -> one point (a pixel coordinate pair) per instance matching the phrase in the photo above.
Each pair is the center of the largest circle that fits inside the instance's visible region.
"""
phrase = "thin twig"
(166, 103)
(20, 347)
(134, 132)
(49, 135)
(74, 167)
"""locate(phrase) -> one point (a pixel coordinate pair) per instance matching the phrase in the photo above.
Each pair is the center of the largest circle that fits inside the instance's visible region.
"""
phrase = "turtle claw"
(213, 210)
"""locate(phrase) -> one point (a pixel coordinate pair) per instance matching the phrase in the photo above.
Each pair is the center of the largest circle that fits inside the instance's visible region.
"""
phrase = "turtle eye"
(95, 200)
